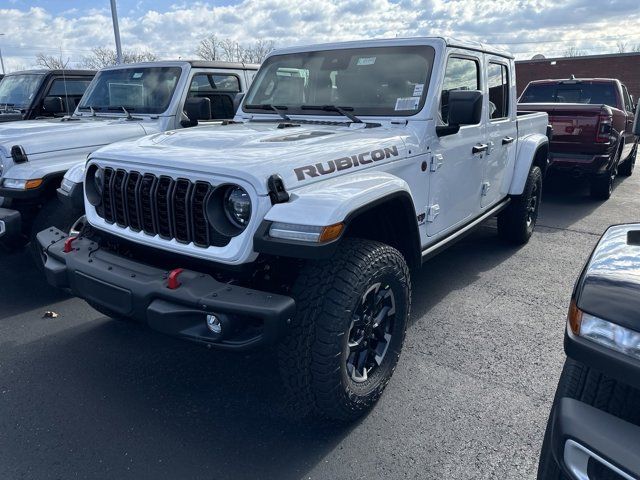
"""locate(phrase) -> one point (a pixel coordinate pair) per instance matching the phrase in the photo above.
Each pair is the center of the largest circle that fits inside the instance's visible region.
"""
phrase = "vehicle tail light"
(603, 129)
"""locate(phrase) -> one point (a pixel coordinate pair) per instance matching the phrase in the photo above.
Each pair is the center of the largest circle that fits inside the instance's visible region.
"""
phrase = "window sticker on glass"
(366, 60)
(407, 103)
(417, 89)
(137, 75)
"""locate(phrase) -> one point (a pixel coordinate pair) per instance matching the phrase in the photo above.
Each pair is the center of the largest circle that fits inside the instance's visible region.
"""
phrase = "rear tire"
(337, 358)
(602, 186)
(52, 214)
(626, 169)
(517, 222)
(581, 382)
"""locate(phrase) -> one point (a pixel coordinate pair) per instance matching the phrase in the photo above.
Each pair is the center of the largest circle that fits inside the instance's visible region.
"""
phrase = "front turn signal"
(574, 317)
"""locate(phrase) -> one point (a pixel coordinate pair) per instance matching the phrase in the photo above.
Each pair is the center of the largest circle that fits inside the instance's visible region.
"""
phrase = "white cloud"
(525, 27)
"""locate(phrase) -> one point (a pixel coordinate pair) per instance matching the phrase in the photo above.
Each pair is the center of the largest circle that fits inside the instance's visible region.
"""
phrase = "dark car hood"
(610, 285)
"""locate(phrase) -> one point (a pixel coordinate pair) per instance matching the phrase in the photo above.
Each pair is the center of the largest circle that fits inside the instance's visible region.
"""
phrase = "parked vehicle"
(592, 122)
(31, 94)
(594, 426)
(123, 102)
(297, 223)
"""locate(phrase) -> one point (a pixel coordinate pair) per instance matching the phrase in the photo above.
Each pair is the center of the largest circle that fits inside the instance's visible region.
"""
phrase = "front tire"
(52, 214)
(583, 383)
(344, 345)
(517, 222)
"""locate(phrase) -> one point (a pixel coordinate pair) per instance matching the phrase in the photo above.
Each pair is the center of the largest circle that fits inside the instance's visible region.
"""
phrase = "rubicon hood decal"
(343, 163)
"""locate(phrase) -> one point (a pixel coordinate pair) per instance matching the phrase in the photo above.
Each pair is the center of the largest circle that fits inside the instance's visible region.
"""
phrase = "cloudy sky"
(173, 28)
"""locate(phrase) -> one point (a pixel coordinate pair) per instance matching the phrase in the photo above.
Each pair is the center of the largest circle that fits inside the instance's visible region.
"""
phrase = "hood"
(254, 151)
(44, 136)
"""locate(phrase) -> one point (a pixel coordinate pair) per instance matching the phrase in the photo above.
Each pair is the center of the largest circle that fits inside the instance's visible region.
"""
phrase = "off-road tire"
(52, 214)
(626, 168)
(583, 383)
(517, 222)
(601, 186)
(314, 353)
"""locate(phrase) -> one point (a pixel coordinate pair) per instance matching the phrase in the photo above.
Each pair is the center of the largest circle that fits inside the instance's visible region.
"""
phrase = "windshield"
(576, 92)
(371, 81)
(19, 90)
(140, 90)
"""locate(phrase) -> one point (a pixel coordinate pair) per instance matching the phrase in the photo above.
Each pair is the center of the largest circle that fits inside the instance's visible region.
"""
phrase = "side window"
(460, 74)
(627, 100)
(498, 91)
(219, 91)
(72, 87)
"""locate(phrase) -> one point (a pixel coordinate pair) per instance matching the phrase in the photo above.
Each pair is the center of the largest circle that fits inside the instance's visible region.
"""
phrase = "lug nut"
(213, 324)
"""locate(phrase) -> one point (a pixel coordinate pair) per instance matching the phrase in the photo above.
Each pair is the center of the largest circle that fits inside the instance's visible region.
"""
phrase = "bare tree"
(622, 46)
(215, 48)
(574, 52)
(209, 48)
(635, 48)
(103, 57)
(257, 52)
(51, 62)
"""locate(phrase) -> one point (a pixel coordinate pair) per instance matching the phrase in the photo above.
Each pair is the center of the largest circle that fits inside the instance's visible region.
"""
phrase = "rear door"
(629, 137)
(501, 130)
(455, 172)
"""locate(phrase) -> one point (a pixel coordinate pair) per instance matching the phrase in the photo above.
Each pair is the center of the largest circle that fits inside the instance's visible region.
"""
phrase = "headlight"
(94, 185)
(228, 210)
(237, 206)
(603, 332)
(16, 184)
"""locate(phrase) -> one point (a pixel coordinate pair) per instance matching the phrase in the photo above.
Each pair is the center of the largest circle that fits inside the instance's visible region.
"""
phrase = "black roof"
(44, 71)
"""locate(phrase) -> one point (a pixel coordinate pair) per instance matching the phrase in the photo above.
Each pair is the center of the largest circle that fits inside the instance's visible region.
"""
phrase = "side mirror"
(196, 109)
(53, 105)
(465, 108)
(636, 123)
(237, 101)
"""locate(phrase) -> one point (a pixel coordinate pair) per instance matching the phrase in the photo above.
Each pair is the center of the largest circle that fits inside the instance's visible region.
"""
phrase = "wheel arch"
(533, 150)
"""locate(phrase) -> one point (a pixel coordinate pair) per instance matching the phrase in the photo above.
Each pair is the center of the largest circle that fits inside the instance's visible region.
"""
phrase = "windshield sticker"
(366, 61)
(417, 90)
(137, 75)
(407, 103)
(325, 168)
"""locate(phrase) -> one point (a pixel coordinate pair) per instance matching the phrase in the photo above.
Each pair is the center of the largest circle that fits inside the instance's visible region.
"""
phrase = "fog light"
(213, 324)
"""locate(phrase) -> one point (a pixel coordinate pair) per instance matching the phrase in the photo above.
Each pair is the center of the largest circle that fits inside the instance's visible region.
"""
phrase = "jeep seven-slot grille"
(171, 209)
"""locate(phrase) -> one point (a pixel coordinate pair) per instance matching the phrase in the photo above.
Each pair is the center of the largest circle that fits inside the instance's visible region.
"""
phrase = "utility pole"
(116, 32)
(1, 59)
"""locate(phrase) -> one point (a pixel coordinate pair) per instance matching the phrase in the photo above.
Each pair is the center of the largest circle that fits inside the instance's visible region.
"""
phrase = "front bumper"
(249, 317)
(10, 225)
(585, 438)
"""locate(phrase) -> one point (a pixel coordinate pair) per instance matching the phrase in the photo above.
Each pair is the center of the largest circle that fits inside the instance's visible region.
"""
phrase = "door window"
(627, 100)
(72, 87)
(498, 91)
(460, 74)
(219, 89)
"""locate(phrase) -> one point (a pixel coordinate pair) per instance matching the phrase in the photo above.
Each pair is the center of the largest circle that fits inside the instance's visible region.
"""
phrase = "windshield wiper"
(275, 108)
(333, 108)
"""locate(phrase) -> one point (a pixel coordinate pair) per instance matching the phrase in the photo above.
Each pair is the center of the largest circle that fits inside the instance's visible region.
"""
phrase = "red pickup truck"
(592, 122)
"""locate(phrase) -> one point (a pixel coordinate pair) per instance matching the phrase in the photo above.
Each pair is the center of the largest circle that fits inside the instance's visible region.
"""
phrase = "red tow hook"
(173, 281)
(68, 244)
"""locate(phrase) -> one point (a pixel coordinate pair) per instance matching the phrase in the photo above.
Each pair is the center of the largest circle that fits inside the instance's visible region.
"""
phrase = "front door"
(501, 131)
(455, 171)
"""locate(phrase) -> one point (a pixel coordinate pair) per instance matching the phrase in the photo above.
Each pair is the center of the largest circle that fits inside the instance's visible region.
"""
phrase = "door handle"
(507, 140)
(479, 148)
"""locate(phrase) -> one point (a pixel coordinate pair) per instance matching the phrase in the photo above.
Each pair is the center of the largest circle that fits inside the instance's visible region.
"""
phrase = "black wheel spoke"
(370, 333)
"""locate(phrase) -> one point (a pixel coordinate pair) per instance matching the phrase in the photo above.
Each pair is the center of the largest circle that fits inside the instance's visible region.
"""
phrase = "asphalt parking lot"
(85, 397)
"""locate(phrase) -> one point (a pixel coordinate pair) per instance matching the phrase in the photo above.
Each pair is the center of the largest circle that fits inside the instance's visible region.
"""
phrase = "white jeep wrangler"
(122, 102)
(297, 225)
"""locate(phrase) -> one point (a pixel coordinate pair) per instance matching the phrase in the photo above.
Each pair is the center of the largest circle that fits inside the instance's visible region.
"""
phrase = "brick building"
(623, 66)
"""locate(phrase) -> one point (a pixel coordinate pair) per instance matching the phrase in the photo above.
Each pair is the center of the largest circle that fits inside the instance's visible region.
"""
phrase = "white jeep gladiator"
(122, 102)
(297, 225)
